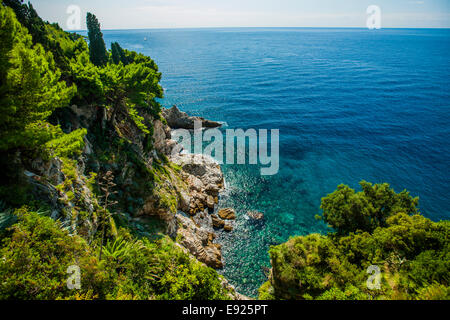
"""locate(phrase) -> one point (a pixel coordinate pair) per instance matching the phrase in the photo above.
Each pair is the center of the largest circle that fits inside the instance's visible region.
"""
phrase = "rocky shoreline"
(198, 217)
(195, 224)
(194, 183)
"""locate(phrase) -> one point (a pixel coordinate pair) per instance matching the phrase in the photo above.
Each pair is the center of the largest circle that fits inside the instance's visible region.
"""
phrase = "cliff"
(85, 143)
(181, 190)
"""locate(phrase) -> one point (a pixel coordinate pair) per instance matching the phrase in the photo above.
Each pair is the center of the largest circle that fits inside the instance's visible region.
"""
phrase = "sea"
(350, 105)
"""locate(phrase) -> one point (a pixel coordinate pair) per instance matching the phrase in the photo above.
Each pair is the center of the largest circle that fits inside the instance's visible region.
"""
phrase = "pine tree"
(30, 87)
(97, 47)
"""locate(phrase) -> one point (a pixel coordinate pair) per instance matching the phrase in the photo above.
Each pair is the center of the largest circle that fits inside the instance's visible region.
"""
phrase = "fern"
(118, 249)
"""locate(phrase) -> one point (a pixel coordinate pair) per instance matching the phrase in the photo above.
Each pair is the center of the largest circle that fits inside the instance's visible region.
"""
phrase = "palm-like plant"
(120, 249)
(7, 217)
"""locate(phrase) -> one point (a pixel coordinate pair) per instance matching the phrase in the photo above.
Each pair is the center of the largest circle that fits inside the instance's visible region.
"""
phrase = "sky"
(142, 14)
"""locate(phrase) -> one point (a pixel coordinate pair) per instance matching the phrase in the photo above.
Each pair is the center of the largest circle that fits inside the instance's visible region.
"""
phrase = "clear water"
(351, 104)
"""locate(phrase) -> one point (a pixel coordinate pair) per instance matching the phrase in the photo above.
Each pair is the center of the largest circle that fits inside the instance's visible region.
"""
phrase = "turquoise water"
(351, 104)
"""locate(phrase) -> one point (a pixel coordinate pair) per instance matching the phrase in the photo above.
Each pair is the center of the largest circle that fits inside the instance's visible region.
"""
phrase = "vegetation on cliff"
(36, 252)
(73, 116)
(374, 227)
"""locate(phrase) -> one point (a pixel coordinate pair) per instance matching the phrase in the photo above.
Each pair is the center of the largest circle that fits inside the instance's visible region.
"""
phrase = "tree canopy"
(118, 54)
(31, 88)
(348, 211)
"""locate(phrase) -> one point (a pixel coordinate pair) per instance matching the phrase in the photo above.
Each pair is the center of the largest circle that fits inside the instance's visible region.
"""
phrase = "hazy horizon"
(195, 14)
(213, 28)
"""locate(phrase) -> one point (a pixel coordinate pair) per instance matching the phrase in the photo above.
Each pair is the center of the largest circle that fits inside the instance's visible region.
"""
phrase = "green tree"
(115, 54)
(97, 47)
(374, 227)
(30, 88)
(348, 211)
(51, 37)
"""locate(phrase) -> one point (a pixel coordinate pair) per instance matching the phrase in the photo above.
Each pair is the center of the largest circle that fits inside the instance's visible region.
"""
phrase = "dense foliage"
(64, 46)
(118, 54)
(348, 211)
(411, 251)
(30, 86)
(44, 69)
(31, 89)
(37, 251)
(43, 72)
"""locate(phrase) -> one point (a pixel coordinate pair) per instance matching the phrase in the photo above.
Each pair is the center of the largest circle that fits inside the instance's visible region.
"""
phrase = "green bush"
(30, 87)
(35, 257)
(36, 252)
(411, 251)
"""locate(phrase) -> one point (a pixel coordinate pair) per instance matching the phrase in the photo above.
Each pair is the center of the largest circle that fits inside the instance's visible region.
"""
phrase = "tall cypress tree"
(115, 54)
(118, 54)
(97, 47)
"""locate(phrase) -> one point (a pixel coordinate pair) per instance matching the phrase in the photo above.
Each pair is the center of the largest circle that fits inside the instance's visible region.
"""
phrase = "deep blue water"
(351, 104)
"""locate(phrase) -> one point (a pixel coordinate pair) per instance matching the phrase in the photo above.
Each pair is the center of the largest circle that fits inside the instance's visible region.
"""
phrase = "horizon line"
(181, 28)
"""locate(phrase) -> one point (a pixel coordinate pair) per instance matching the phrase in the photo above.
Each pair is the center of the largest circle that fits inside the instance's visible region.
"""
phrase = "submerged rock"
(255, 215)
(228, 227)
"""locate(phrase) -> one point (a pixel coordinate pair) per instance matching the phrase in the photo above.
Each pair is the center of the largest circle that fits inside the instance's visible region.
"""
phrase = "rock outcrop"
(199, 242)
(227, 214)
(152, 177)
(204, 178)
(177, 119)
(66, 193)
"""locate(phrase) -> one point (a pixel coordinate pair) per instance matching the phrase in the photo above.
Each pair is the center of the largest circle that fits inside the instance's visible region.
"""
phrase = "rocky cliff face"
(153, 178)
(67, 193)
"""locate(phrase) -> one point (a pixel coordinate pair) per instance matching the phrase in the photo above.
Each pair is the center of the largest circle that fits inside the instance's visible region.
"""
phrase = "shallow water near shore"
(351, 104)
